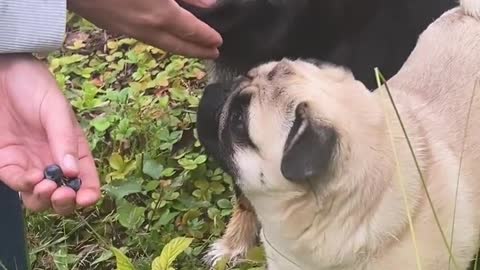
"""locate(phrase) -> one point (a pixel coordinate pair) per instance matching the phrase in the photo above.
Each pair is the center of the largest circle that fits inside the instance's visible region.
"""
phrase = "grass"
(137, 106)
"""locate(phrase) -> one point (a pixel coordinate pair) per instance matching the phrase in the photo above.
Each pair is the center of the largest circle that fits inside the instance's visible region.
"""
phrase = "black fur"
(208, 114)
(235, 130)
(358, 34)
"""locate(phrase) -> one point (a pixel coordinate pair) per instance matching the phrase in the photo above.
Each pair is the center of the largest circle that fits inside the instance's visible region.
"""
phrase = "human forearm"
(28, 26)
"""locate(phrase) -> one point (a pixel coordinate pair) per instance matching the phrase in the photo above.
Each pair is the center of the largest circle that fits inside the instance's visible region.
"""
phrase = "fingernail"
(87, 197)
(70, 163)
(215, 54)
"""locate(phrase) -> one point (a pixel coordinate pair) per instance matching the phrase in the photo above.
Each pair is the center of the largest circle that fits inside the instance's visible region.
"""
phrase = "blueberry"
(74, 183)
(54, 173)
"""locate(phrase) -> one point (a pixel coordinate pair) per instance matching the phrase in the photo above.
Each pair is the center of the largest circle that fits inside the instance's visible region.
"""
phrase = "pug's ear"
(309, 147)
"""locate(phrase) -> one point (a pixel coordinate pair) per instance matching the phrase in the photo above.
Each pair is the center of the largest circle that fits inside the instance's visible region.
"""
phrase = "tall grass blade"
(400, 177)
(417, 167)
(475, 266)
(460, 166)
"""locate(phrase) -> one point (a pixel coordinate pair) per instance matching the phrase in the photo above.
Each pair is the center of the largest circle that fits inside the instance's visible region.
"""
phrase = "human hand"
(160, 23)
(39, 129)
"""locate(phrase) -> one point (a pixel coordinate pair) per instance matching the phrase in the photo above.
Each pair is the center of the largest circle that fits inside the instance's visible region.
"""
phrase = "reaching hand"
(38, 128)
(160, 23)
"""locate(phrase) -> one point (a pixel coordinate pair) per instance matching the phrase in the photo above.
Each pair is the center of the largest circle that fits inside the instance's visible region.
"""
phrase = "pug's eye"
(238, 120)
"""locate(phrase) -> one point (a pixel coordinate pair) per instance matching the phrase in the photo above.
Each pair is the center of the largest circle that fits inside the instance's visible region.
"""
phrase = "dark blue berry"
(74, 183)
(54, 173)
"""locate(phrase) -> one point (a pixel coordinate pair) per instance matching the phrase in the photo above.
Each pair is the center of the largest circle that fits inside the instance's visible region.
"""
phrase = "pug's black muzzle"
(208, 116)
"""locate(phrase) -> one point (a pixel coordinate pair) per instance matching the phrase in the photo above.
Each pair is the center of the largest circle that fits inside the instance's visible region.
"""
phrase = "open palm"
(39, 129)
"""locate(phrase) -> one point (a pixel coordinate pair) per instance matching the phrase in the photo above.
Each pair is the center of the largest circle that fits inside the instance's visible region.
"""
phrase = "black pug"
(360, 35)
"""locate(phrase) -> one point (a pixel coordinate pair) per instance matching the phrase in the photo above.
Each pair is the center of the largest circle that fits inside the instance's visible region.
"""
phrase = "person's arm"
(28, 26)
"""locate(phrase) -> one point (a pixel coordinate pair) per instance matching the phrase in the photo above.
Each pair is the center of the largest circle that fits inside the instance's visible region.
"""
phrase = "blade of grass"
(417, 167)
(402, 187)
(460, 165)
(98, 236)
(475, 267)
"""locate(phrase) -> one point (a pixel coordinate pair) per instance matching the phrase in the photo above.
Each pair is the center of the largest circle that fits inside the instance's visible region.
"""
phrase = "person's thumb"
(57, 120)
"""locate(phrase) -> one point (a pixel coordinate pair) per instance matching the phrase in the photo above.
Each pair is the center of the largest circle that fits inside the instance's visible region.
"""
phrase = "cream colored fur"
(471, 7)
(357, 220)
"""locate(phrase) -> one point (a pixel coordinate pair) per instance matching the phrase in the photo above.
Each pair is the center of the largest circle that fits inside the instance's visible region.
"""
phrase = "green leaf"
(167, 217)
(62, 259)
(123, 262)
(222, 264)
(163, 102)
(224, 203)
(151, 185)
(200, 159)
(168, 172)
(197, 193)
(187, 164)
(217, 188)
(121, 189)
(213, 212)
(106, 255)
(130, 167)
(101, 123)
(171, 196)
(201, 184)
(178, 94)
(116, 161)
(170, 252)
(152, 168)
(130, 216)
(256, 254)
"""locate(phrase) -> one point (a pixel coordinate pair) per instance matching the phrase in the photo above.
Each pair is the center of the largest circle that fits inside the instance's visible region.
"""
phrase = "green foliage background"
(137, 106)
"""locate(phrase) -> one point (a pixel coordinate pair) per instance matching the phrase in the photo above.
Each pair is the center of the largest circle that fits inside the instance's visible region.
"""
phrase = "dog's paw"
(221, 249)
(240, 236)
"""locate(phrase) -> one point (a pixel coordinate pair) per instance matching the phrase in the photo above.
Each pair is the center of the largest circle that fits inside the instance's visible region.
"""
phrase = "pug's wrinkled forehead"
(287, 82)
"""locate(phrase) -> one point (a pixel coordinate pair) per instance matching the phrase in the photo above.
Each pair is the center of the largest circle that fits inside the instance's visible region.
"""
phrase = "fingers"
(63, 201)
(89, 192)
(71, 151)
(189, 28)
(60, 129)
(39, 199)
(176, 45)
(18, 179)
(46, 196)
(66, 138)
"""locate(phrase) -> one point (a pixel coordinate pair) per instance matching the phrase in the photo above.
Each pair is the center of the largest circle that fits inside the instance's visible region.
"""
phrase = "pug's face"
(290, 125)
